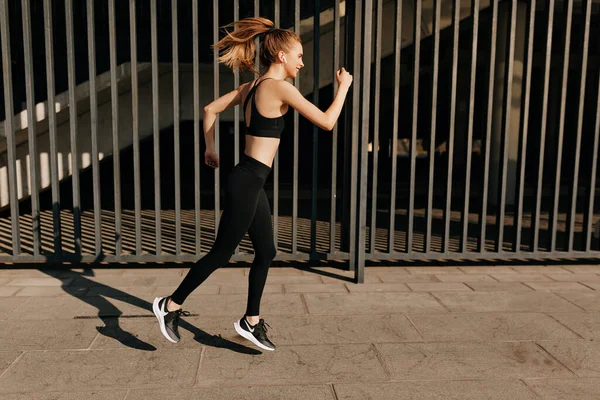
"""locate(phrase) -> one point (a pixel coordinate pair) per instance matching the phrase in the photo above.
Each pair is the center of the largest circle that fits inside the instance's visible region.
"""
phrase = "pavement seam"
(551, 316)
(567, 300)
(127, 394)
(382, 362)
(304, 303)
(439, 302)
(556, 359)
(333, 392)
(95, 338)
(204, 348)
(13, 363)
(530, 388)
(582, 283)
(414, 326)
(17, 309)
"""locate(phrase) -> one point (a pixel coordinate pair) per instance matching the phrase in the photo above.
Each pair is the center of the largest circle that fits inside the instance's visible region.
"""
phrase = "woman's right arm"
(324, 120)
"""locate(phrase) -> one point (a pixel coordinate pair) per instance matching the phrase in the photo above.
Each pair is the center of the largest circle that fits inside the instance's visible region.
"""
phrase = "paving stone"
(92, 272)
(540, 269)
(580, 356)
(294, 279)
(499, 287)
(161, 291)
(583, 268)
(156, 272)
(243, 289)
(556, 286)
(4, 281)
(51, 291)
(416, 361)
(87, 395)
(100, 369)
(12, 273)
(41, 308)
(318, 329)
(121, 291)
(586, 324)
(487, 270)
(406, 278)
(437, 390)
(39, 282)
(587, 300)
(566, 388)
(292, 365)
(10, 304)
(578, 277)
(465, 278)
(377, 287)
(7, 358)
(434, 270)
(394, 269)
(47, 335)
(481, 327)
(291, 392)
(370, 278)
(530, 301)
(315, 288)
(120, 281)
(235, 304)
(6, 291)
(371, 303)
(288, 271)
(438, 287)
(521, 278)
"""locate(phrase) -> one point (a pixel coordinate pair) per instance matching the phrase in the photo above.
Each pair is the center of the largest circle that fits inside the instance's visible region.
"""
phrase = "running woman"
(246, 209)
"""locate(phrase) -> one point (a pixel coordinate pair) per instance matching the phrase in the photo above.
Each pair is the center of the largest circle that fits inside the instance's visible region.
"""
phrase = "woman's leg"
(243, 191)
(261, 235)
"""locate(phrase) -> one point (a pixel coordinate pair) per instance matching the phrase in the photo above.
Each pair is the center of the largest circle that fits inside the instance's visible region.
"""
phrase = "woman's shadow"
(111, 315)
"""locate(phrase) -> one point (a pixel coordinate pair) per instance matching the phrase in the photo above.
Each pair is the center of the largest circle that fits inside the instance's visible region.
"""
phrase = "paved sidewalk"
(519, 332)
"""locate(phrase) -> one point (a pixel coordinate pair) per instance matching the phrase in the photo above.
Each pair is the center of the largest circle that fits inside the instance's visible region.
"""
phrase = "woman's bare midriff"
(261, 148)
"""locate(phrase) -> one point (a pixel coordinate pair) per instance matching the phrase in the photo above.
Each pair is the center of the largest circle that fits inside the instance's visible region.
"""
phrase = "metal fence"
(452, 145)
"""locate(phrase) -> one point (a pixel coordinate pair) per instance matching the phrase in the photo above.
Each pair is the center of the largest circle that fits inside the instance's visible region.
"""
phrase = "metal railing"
(446, 153)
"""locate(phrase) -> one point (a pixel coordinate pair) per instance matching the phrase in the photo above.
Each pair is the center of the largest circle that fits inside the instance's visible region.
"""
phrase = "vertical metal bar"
(488, 133)
(155, 126)
(73, 132)
(366, 88)
(296, 132)
(436, 68)
(315, 152)
(561, 129)
(590, 217)
(52, 127)
(506, 130)
(376, 113)
(197, 155)
(94, 126)
(538, 203)
(465, 214)
(397, 54)
(217, 125)
(448, 210)
(136, 128)
(236, 109)
(524, 128)
(334, 139)
(9, 128)
(586, 45)
(176, 117)
(114, 91)
(415, 116)
(355, 132)
(31, 128)
(276, 160)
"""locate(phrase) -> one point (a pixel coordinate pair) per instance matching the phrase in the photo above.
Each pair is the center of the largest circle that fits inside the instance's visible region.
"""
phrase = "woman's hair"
(237, 47)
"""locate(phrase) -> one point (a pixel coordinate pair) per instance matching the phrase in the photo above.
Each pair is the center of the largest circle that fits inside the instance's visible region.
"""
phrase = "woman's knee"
(267, 254)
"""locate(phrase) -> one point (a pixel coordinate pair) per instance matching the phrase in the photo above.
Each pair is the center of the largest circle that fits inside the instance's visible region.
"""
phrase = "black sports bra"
(261, 126)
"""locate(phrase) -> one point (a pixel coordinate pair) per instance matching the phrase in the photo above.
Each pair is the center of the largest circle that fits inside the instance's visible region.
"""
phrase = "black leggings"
(246, 210)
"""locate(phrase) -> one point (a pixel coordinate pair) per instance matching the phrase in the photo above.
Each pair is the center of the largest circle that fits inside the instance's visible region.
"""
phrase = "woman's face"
(294, 60)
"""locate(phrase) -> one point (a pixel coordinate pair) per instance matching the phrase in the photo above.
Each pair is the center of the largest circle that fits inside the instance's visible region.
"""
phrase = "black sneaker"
(257, 334)
(168, 320)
